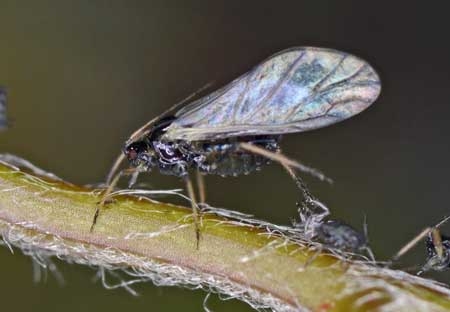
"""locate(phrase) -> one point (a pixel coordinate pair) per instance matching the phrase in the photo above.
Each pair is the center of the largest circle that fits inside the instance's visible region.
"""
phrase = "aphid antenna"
(139, 133)
(307, 196)
(115, 167)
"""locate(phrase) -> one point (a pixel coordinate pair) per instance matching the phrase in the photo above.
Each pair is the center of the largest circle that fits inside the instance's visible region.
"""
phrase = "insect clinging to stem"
(316, 225)
(437, 248)
(236, 129)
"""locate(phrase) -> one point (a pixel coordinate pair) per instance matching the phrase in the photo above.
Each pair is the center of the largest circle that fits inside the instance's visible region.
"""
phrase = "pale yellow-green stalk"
(156, 241)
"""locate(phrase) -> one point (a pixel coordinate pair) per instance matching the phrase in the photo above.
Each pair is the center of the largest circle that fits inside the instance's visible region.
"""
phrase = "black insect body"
(316, 225)
(221, 157)
(339, 235)
(236, 129)
(438, 252)
(336, 235)
(437, 248)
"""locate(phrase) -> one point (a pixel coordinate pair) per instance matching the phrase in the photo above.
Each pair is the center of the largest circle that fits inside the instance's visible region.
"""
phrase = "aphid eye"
(132, 155)
(133, 150)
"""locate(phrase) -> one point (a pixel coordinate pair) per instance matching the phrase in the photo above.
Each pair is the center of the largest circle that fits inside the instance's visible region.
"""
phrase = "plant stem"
(156, 241)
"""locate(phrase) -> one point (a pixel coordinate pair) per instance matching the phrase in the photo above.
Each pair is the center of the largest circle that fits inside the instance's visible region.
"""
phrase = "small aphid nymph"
(316, 225)
(341, 236)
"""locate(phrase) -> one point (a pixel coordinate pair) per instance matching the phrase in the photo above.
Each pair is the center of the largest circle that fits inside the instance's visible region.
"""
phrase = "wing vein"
(327, 89)
(239, 104)
(275, 89)
(319, 84)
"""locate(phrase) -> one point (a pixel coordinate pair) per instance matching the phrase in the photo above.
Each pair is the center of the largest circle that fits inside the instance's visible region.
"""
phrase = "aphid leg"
(437, 242)
(108, 191)
(201, 188)
(195, 210)
(284, 160)
(439, 261)
(114, 168)
(299, 182)
(411, 244)
(312, 211)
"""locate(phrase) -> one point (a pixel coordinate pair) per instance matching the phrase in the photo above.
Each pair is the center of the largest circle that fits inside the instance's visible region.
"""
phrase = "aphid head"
(139, 154)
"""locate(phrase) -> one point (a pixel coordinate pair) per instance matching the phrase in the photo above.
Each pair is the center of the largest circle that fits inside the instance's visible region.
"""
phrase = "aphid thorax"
(222, 157)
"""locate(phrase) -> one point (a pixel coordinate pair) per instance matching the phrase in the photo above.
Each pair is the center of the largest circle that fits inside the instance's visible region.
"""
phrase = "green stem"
(156, 241)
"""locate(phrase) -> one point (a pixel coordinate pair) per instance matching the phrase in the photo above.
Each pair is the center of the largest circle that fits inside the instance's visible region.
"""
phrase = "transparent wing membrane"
(295, 90)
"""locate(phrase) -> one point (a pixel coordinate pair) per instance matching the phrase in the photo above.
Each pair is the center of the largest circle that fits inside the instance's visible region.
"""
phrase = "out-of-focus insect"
(316, 225)
(3, 120)
(437, 248)
(236, 129)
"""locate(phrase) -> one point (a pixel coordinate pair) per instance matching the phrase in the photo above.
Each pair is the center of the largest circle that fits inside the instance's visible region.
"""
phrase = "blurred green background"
(82, 75)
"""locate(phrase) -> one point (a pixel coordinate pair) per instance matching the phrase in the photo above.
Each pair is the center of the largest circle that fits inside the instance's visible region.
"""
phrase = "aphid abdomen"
(225, 158)
(336, 234)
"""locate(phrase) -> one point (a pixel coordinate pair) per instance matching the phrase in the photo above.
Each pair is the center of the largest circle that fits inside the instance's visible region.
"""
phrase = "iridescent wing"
(296, 90)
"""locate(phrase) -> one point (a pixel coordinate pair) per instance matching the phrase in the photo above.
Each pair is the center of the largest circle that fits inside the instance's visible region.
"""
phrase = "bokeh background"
(82, 75)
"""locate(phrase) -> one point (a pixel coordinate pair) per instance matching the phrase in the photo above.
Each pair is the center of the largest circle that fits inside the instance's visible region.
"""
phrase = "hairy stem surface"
(156, 241)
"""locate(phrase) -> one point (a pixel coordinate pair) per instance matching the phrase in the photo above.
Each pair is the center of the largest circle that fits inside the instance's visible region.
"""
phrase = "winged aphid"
(236, 129)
